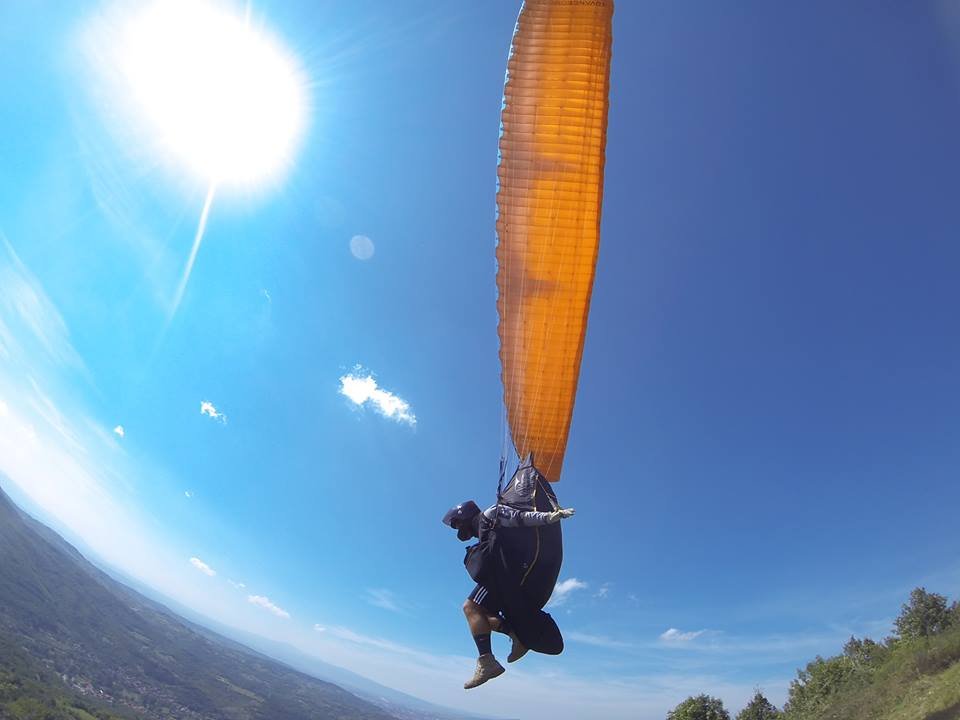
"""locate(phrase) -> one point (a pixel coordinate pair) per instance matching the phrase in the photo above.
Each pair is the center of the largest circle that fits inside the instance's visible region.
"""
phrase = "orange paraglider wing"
(553, 136)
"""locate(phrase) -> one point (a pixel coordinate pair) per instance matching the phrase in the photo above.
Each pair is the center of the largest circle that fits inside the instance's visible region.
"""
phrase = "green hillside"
(29, 692)
(912, 675)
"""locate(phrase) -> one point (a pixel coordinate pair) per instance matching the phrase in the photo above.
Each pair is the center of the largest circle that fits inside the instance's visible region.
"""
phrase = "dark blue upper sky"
(764, 449)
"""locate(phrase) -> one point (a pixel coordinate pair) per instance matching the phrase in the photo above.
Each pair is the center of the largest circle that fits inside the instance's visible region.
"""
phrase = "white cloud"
(563, 590)
(676, 636)
(385, 599)
(595, 640)
(319, 628)
(264, 602)
(266, 294)
(354, 637)
(208, 408)
(362, 389)
(4, 409)
(603, 591)
(202, 567)
(119, 431)
(237, 585)
(361, 247)
(187, 494)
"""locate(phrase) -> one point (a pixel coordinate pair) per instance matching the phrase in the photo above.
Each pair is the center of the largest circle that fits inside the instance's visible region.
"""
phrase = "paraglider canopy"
(552, 143)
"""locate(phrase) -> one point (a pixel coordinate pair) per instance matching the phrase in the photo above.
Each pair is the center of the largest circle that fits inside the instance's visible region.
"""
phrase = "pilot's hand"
(561, 514)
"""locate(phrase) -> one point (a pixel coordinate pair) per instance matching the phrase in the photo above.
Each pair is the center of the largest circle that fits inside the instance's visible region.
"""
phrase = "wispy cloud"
(29, 320)
(673, 635)
(61, 462)
(385, 599)
(209, 409)
(266, 604)
(45, 408)
(758, 649)
(362, 389)
(119, 431)
(563, 590)
(187, 494)
(354, 637)
(237, 585)
(202, 567)
(319, 628)
(596, 640)
(603, 592)
(620, 695)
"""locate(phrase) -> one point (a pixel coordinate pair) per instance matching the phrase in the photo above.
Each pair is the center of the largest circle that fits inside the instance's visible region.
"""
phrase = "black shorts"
(486, 599)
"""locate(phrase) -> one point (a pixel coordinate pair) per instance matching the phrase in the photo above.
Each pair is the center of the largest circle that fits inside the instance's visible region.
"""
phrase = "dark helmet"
(459, 518)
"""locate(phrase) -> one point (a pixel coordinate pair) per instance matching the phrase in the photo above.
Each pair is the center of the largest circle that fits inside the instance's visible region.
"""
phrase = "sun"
(222, 97)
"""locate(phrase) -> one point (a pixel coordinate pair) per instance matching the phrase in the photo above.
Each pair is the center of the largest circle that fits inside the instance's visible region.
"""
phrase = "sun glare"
(223, 97)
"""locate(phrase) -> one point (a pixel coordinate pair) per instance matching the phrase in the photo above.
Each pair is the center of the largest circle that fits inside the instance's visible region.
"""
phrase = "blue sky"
(764, 450)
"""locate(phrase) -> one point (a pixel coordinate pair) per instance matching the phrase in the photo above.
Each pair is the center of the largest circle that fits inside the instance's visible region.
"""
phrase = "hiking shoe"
(487, 669)
(517, 650)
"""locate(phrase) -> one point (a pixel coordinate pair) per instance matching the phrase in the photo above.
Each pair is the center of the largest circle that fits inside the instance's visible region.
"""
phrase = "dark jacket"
(519, 557)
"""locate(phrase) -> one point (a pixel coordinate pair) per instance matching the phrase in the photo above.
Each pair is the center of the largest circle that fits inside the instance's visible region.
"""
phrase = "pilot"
(486, 607)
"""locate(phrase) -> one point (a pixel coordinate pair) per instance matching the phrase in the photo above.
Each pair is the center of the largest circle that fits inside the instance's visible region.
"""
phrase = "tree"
(926, 614)
(814, 686)
(700, 707)
(865, 653)
(759, 709)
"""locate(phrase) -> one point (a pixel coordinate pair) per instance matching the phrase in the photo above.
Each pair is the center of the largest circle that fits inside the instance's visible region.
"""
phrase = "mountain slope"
(108, 642)
(29, 691)
(399, 704)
